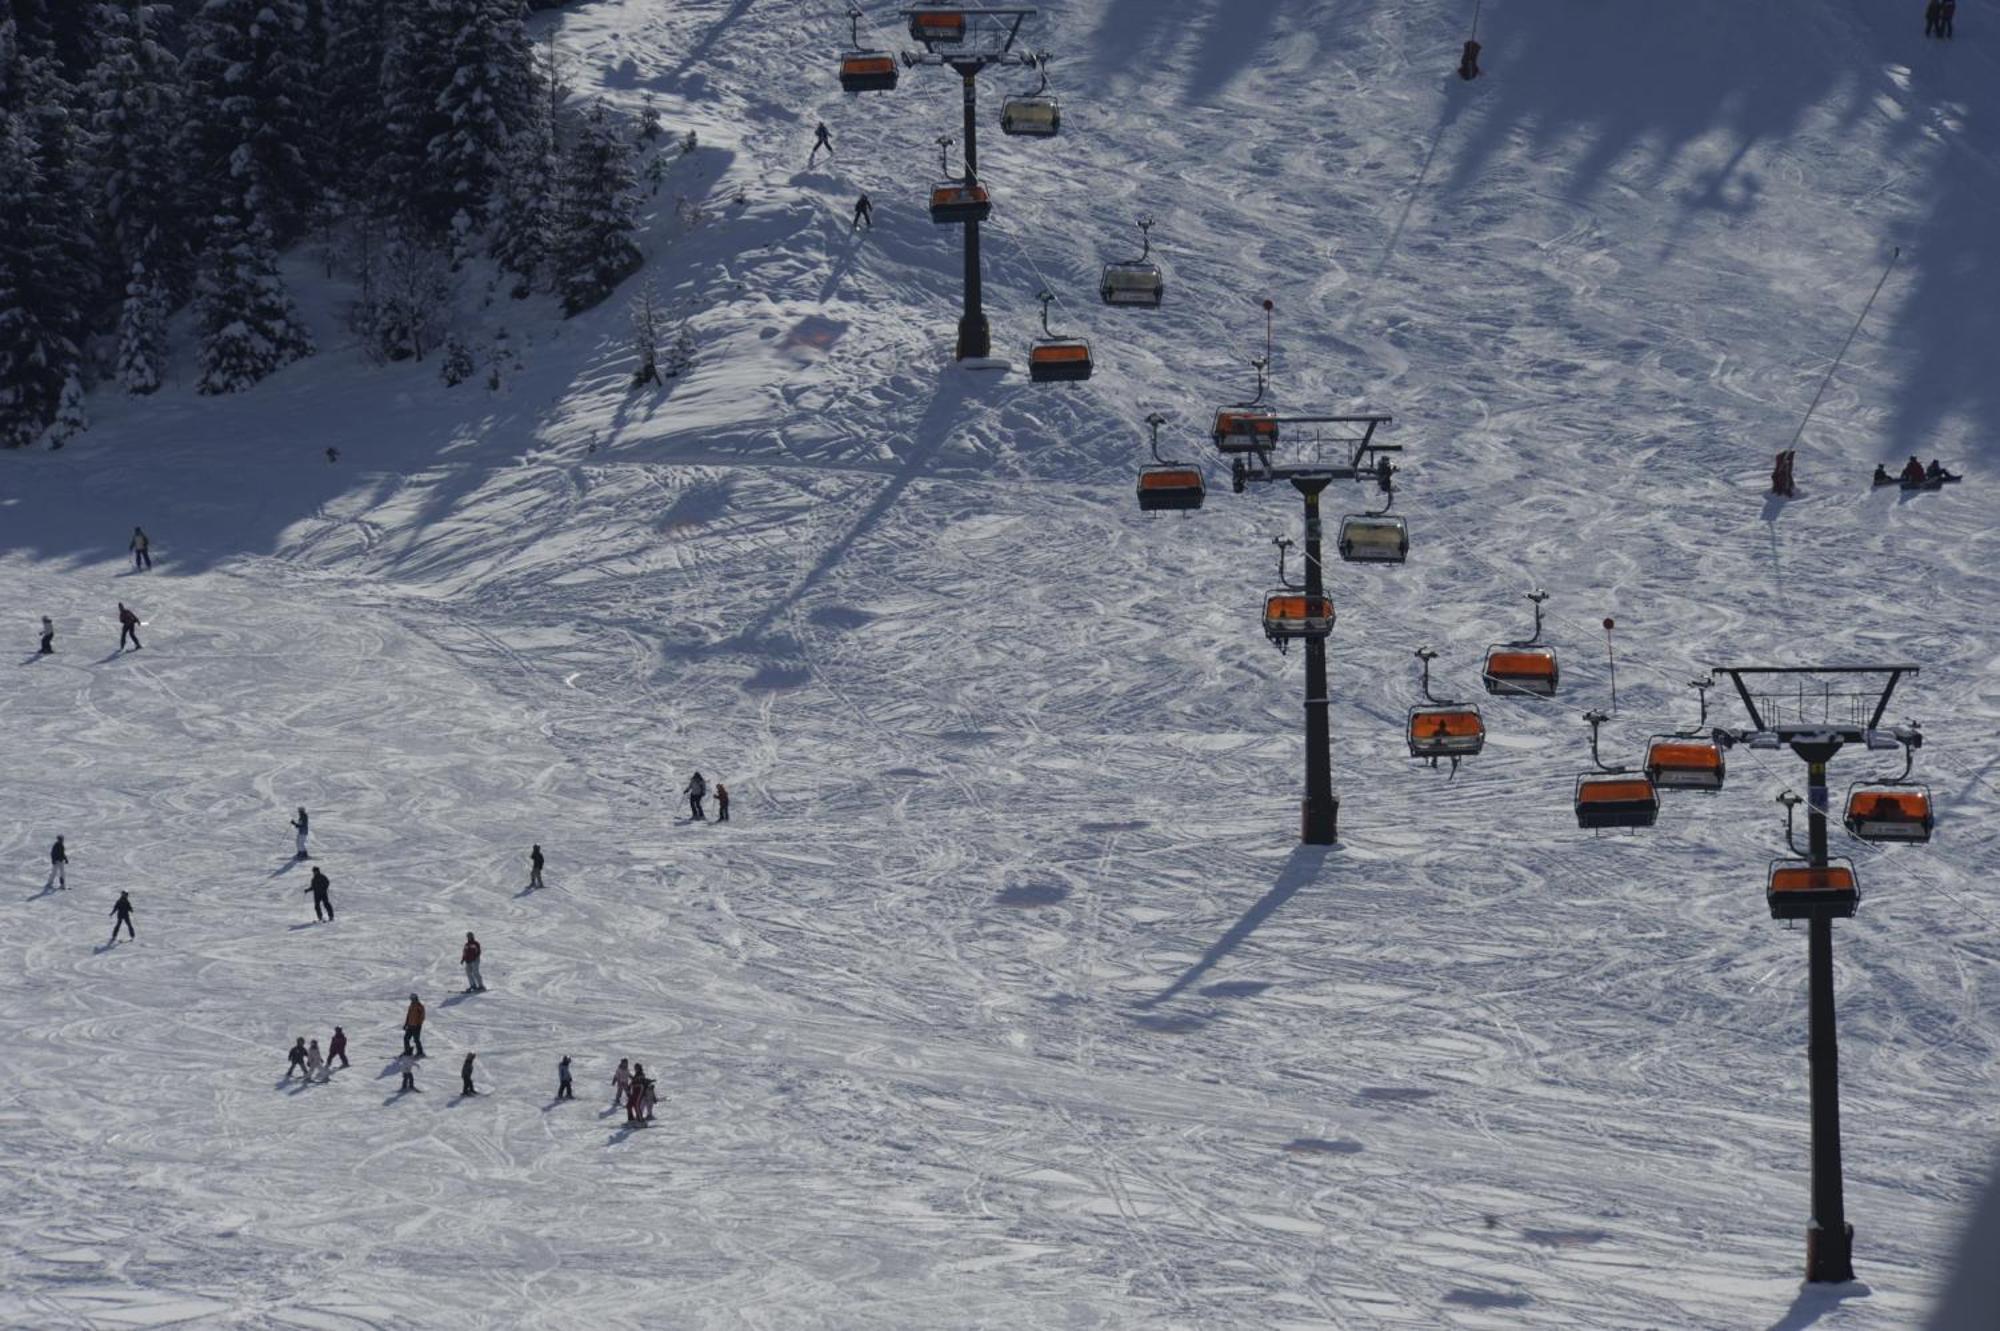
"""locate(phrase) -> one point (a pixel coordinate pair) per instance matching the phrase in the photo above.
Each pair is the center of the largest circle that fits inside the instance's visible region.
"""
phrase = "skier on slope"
(564, 1090)
(302, 825)
(635, 1096)
(121, 911)
(864, 211)
(465, 1076)
(413, 1027)
(295, 1060)
(721, 803)
(407, 1063)
(469, 955)
(621, 1082)
(1947, 12)
(141, 548)
(48, 646)
(128, 627)
(315, 1064)
(336, 1048)
(534, 866)
(322, 907)
(695, 789)
(58, 866)
(821, 139)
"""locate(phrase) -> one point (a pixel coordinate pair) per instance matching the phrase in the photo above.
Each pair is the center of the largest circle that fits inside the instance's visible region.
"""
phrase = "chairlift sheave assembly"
(862, 69)
(1897, 811)
(1687, 759)
(1613, 797)
(1054, 360)
(1034, 115)
(1292, 614)
(1135, 281)
(956, 201)
(1167, 486)
(1442, 727)
(1527, 667)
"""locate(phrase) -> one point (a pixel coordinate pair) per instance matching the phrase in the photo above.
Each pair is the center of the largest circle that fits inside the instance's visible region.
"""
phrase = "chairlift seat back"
(1245, 430)
(1374, 539)
(1892, 813)
(1059, 360)
(1037, 117)
(1170, 489)
(1530, 670)
(938, 25)
(1796, 890)
(1289, 615)
(1678, 763)
(1616, 801)
(868, 71)
(1133, 284)
(1445, 731)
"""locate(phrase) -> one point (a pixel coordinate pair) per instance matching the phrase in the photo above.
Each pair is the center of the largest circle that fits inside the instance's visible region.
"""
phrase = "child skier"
(295, 1061)
(721, 803)
(621, 1083)
(315, 1063)
(408, 1063)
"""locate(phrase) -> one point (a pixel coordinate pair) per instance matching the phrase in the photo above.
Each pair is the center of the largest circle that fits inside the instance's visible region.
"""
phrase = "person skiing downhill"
(336, 1048)
(864, 211)
(315, 1064)
(469, 954)
(128, 627)
(821, 139)
(465, 1076)
(295, 1061)
(564, 1090)
(621, 1082)
(58, 866)
(142, 550)
(413, 1028)
(721, 803)
(302, 825)
(534, 866)
(121, 911)
(48, 646)
(322, 907)
(408, 1063)
(695, 789)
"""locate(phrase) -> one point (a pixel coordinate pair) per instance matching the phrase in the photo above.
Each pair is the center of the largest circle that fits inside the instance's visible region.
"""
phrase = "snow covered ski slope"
(1007, 998)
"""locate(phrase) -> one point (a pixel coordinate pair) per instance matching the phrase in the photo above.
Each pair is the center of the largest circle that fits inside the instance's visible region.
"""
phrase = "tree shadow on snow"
(1301, 868)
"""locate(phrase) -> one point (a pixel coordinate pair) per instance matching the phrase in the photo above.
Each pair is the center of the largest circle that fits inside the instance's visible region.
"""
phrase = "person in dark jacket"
(821, 139)
(721, 803)
(564, 1091)
(469, 955)
(128, 627)
(465, 1076)
(1913, 471)
(58, 866)
(336, 1048)
(864, 211)
(48, 646)
(322, 908)
(534, 866)
(121, 917)
(1468, 61)
(696, 789)
(142, 550)
(1931, 11)
(296, 1060)
(1947, 12)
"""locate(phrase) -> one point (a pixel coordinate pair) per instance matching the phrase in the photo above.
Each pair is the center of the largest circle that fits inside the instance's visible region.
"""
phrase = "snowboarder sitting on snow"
(413, 1027)
(128, 627)
(821, 139)
(864, 211)
(121, 911)
(296, 1060)
(1882, 476)
(322, 908)
(695, 789)
(48, 646)
(469, 954)
(59, 865)
(1913, 471)
(1936, 472)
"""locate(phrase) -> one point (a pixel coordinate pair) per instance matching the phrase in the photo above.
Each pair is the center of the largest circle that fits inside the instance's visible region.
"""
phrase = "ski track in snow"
(1007, 998)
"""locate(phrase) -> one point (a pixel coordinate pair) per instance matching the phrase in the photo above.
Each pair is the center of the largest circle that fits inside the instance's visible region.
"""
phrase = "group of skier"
(305, 1058)
(1915, 473)
(1938, 16)
(632, 1090)
(696, 791)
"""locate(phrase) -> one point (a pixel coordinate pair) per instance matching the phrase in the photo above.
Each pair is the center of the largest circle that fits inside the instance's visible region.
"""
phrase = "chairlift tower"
(969, 40)
(1816, 724)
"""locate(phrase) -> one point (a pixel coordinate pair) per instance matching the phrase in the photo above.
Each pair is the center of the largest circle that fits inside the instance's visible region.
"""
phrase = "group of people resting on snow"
(1915, 473)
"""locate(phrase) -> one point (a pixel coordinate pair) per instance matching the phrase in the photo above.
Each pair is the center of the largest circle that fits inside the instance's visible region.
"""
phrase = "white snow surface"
(1008, 998)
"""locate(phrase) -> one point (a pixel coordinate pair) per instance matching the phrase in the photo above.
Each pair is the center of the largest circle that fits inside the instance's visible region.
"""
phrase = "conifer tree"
(247, 324)
(249, 119)
(142, 331)
(48, 280)
(135, 100)
(350, 98)
(593, 248)
(486, 103)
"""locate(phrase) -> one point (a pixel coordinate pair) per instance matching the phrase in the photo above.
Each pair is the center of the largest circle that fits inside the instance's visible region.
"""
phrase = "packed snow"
(1008, 997)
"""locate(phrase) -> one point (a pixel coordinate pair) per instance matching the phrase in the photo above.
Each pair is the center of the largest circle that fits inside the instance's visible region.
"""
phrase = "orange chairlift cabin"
(1527, 667)
(1135, 281)
(1290, 613)
(1687, 759)
(1167, 486)
(1376, 537)
(1250, 427)
(1896, 811)
(956, 201)
(938, 27)
(1034, 115)
(1442, 727)
(1613, 797)
(1798, 889)
(1054, 360)
(862, 69)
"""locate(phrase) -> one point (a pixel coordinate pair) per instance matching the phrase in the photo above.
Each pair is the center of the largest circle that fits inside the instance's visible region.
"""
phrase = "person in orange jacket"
(413, 1029)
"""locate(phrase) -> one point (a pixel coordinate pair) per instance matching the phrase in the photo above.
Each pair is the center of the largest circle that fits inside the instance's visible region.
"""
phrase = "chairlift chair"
(1527, 667)
(1897, 811)
(1055, 359)
(1613, 797)
(1135, 281)
(954, 202)
(1034, 115)
(1168, 487)
(1798, 889)
(1686, 759)
(1291, 613)
(1440, 727)
(1376, 537)
(864, 70)
(938, 26)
